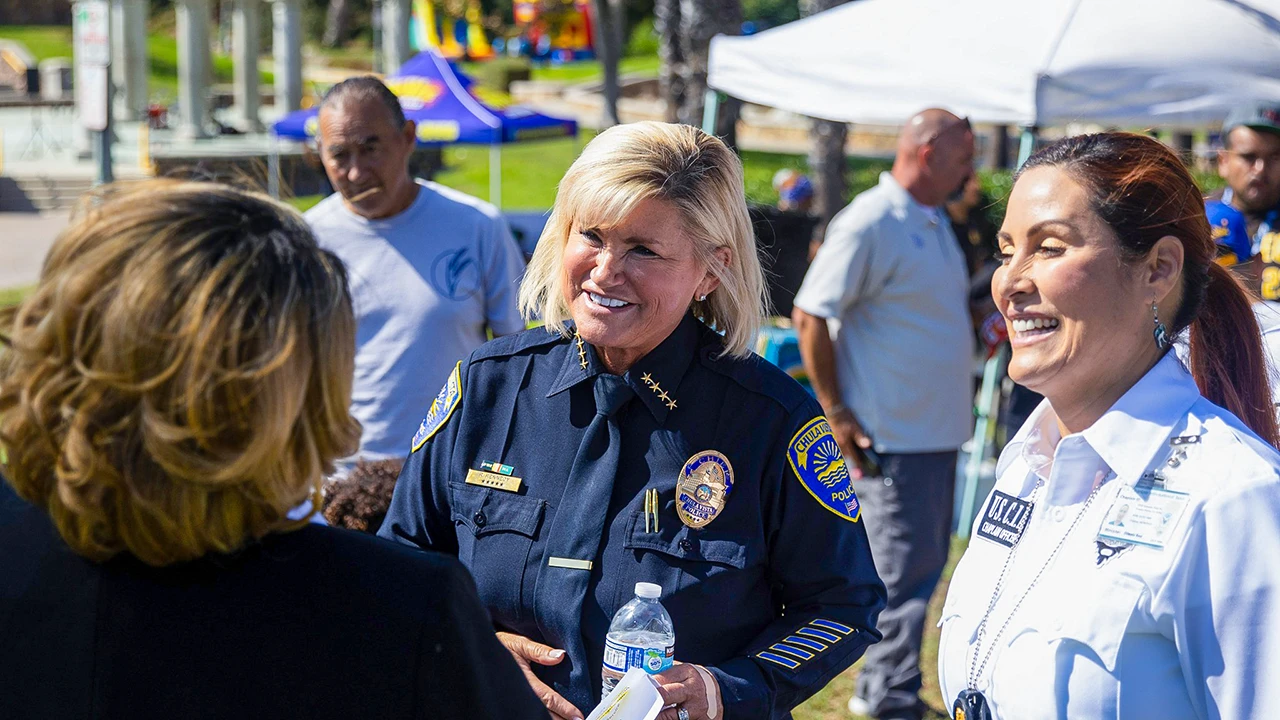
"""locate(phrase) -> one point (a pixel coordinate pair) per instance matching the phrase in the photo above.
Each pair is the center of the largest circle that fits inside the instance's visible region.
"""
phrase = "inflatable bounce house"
(555, 30)
(455, 35)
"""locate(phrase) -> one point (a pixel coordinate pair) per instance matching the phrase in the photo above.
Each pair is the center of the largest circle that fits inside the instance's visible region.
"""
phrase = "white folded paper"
(635, 697)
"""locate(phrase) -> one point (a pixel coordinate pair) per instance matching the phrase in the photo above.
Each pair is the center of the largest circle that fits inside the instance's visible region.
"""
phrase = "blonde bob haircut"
(180, 377)
(679, 164)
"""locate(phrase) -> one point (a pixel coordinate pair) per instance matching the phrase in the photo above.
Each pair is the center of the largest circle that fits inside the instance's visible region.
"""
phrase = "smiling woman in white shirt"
(1123, 566)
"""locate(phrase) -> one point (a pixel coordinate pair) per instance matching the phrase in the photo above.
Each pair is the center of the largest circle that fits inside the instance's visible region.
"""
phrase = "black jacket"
(318, 623)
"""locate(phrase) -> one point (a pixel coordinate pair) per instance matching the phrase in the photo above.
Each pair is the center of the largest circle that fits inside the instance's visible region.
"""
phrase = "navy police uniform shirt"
(776, 595)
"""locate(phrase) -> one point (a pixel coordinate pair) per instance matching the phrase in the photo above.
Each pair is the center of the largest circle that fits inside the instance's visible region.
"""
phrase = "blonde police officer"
(639, 444)
(1121, 566)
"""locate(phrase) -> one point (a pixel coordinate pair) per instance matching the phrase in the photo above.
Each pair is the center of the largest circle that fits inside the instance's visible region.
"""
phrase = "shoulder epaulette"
(514, 344)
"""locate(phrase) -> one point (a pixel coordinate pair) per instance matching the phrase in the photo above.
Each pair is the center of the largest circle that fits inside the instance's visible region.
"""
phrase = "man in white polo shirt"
(885, 335)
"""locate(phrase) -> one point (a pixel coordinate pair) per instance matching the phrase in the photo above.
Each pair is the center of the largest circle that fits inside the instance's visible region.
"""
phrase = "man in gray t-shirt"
(883, 321)
(430, 268)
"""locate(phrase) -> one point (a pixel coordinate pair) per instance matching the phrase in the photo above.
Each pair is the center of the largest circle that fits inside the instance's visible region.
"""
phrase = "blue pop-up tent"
(444, 104)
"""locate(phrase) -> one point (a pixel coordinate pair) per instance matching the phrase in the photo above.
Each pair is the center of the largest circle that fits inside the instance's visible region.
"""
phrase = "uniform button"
(479, 518)
(685, 545)
(1058, 514)
(888, 482)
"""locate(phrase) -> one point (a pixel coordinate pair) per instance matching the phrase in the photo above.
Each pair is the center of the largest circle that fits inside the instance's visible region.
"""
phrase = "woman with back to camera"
(174, 387)
(630, 442)
(1122, 566)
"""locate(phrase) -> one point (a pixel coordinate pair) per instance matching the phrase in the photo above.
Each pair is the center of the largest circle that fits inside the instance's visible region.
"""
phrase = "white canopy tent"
(1172, 63)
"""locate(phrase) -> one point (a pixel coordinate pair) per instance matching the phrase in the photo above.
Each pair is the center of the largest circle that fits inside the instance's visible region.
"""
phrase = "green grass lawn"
(44, 41)
(13, 296)
(50, 41)
(585, 70)
(531, 171)
(162, 51)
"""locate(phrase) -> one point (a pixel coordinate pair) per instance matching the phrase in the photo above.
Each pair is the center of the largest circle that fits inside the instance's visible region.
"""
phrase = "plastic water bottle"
(641, 635)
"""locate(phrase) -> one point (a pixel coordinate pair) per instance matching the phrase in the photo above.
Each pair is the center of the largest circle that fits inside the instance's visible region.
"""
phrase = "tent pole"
(273, 168)
(988, 410)
(1026, 145)
(710, 109)
(495, 174)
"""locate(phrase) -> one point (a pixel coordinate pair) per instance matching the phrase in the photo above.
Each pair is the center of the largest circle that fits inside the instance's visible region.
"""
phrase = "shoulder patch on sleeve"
(441, 408)
(818, 463)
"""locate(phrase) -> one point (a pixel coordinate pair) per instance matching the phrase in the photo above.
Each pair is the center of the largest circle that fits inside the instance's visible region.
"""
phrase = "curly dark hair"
(360, 500)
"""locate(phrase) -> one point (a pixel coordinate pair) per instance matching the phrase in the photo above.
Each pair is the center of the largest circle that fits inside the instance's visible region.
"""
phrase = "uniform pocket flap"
(684, 543)
(488, 511)
(1098, 626)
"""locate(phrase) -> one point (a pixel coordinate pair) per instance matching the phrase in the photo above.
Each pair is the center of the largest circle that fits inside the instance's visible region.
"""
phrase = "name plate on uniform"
(1004, 519)
(493, 480)
(1144, 514)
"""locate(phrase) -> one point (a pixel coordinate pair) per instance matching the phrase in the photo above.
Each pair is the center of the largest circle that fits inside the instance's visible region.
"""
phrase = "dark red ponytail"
(1141, 189)
(1227, 357)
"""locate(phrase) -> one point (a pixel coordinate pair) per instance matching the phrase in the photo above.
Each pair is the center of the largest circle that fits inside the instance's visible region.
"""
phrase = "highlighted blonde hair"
(181, 376)
(679, 164)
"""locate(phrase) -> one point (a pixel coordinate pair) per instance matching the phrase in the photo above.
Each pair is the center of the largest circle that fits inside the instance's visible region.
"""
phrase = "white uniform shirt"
(1188, 628)
(893, 284)
(425, 283)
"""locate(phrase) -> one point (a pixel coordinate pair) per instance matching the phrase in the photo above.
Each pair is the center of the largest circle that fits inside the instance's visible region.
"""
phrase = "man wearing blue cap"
(1245, 216)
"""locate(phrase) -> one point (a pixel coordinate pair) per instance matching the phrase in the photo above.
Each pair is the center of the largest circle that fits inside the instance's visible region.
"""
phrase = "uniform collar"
(580, 363)
(1131, 434)
(653, 377)
(1128, 437)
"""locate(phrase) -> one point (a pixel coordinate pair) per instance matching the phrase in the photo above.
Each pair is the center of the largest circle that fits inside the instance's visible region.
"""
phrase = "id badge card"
(1144, 514)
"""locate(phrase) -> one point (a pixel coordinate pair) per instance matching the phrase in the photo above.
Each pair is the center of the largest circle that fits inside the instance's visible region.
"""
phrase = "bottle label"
(620, 658)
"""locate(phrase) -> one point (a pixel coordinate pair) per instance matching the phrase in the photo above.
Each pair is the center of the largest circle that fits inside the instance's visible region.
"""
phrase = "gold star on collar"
(582, 350)
(652, 384)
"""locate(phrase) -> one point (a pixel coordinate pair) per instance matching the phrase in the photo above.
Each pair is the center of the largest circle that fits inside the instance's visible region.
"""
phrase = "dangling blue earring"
(1161, 333)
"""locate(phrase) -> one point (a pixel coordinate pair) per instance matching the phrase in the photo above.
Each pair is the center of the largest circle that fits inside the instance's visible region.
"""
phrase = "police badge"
(703, 487)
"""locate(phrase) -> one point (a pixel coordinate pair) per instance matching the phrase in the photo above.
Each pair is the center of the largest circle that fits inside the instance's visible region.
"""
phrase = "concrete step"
(41, 192)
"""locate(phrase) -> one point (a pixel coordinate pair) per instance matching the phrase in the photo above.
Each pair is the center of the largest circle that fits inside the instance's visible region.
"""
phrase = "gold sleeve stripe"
(805, 642)
(842, 629)
(782, 648)
(777, 659)
(820, 634)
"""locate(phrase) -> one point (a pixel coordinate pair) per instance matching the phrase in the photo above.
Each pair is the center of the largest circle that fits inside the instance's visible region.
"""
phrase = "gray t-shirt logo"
(455, 274)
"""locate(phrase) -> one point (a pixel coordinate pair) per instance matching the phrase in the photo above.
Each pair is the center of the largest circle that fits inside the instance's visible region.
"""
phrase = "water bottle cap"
(651, 591)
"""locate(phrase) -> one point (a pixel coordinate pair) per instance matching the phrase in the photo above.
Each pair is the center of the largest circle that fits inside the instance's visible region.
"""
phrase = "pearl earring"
(702, 297)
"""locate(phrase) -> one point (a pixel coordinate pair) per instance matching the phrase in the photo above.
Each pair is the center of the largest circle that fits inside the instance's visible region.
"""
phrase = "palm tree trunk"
(826, 156)
(608, 17)
(666, 23)
(335, 25)
(700, 20)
